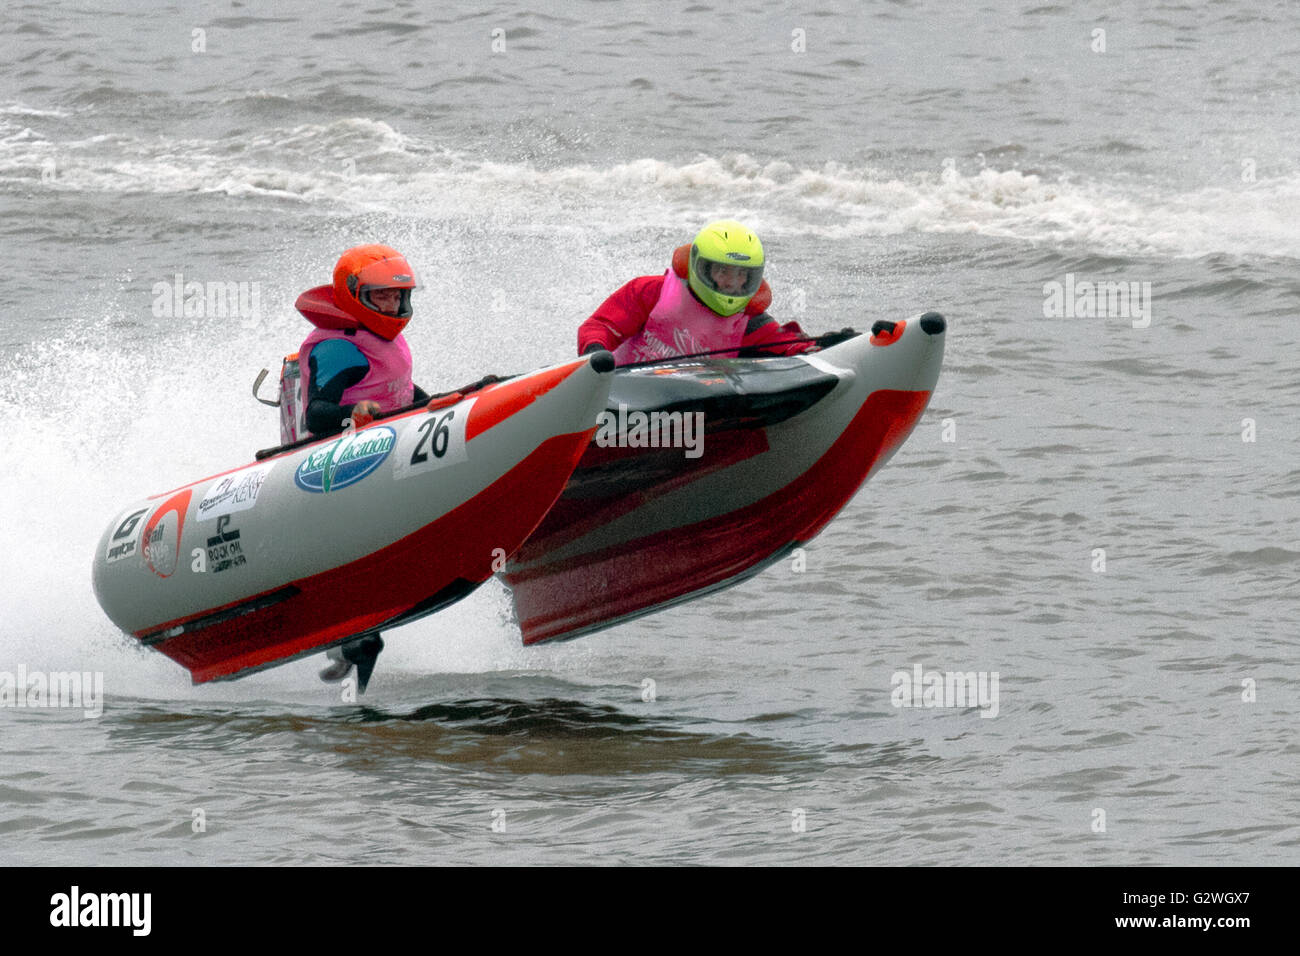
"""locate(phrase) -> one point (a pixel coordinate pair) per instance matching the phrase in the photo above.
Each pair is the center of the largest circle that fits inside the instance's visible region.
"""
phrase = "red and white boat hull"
(348, 535)
(638, 530)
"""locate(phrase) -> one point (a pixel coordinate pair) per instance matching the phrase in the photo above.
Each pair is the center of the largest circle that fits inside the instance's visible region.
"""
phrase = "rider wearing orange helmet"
(356, 363)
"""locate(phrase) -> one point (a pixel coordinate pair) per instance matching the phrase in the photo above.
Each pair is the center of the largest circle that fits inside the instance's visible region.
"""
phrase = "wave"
(360, 164)
(18, 109)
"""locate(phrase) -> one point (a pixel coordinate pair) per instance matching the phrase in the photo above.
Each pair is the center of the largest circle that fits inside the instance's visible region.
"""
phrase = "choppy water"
(911, 156)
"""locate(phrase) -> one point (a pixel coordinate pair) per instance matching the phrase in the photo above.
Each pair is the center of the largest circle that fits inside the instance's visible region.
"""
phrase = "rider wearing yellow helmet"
(712, 299)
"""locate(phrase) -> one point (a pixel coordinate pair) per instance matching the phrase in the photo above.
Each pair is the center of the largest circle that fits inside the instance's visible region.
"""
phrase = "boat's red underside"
(561, 597)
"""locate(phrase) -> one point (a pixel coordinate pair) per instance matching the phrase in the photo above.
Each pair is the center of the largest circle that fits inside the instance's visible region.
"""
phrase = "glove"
(828, 339)
(363, 413)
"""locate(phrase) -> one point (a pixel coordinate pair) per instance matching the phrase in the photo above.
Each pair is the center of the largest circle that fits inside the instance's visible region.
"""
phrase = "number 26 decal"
(434, 433)
(435, 441)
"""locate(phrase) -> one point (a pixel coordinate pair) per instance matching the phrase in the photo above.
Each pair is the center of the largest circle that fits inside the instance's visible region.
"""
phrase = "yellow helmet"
(732, 247)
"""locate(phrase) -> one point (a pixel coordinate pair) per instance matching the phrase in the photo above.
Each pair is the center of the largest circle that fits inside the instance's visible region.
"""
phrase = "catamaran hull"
(787, 443)
(350, 535)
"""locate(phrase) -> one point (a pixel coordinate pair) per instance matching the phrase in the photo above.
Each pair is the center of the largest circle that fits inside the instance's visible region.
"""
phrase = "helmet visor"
(728, 278)
(380, 298)
(386, 274)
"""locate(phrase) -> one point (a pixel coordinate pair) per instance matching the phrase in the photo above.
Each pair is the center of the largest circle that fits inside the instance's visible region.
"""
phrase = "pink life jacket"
(389, 380)
(680, 324)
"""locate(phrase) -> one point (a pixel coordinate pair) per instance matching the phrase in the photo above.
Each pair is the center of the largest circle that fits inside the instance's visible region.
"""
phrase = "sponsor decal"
(234, 492)
(737, 257)
(125, 540)
(162, 534)
(346, 460)
(225, 550)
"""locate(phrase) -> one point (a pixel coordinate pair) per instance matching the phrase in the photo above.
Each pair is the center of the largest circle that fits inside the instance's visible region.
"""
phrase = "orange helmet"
(366, 269)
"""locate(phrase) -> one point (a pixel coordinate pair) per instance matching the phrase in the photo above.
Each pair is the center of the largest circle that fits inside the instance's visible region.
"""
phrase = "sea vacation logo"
(346, 460)
(651, 430)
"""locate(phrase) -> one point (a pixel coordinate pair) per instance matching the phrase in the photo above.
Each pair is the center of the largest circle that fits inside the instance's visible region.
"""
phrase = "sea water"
(1096, 518)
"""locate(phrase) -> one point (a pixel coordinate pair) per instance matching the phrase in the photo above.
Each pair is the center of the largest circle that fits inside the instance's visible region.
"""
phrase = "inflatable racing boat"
(706, 470)
(326, 540)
